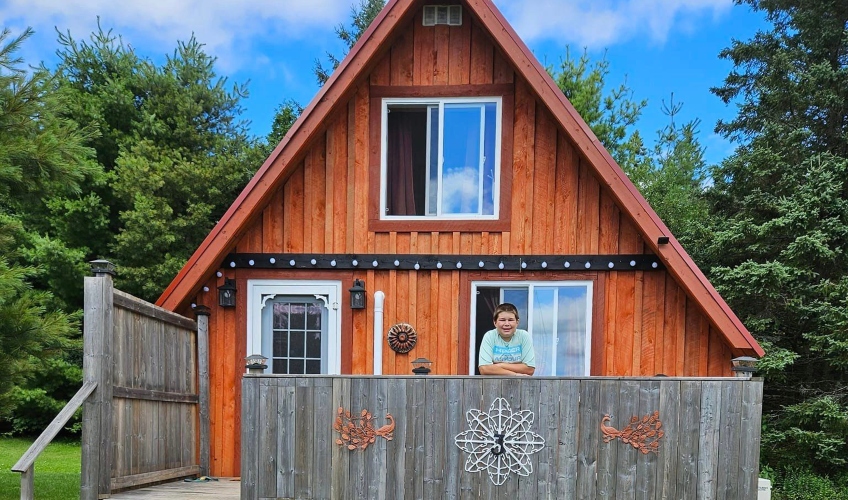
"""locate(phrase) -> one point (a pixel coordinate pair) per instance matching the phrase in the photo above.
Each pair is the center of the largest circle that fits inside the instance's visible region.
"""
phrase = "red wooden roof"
(340, 86)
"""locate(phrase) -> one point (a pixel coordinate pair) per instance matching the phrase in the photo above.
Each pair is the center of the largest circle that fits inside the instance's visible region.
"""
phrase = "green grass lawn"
(57, 470)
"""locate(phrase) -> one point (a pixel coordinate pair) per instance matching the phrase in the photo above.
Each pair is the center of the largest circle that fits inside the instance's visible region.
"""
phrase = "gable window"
(440, 158)
(558, 316)
(296, 325)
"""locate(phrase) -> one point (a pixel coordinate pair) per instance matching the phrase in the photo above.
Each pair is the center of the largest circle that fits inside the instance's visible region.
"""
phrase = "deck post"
(98, 329)
(202, 313)
(27, 483)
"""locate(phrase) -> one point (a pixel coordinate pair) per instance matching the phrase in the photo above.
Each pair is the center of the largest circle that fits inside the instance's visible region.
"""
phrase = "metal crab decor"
(500, 441)
(402, 337)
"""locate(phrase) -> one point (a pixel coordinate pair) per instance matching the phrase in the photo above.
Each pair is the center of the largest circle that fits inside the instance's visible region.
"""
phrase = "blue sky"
(660, 46)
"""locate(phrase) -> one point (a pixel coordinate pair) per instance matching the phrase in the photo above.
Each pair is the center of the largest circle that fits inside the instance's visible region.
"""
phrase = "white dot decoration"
(654, 265)
(588, 265)
(544, 265)
(439, 265)
(313, 262)
(566, 264)
(291, 262)
(273, 260)
(523, 265)
(333, 262)
(355, 262)
(610, 265)
(397, 263)
(459, 265)
(232, 264)
(219, 274)
(632, 263)
(500, 265)
(481, 264)
(251, 262)
(375, 263)
(193, 305)
(206, 289)
(417, 266)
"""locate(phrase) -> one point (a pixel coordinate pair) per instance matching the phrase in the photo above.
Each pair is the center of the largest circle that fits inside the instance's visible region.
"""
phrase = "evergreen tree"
(173, 148)
(360, 17)
(41, 155)
(781, 200)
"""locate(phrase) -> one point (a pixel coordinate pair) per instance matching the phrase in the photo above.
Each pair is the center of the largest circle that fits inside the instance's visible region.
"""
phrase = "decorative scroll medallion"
(500, 441)
(644, 434)
(402, 337)
(358, 431)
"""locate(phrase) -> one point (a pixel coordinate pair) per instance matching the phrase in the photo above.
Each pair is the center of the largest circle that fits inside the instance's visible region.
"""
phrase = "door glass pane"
(461, 159)
(571, 348)
(297, 344)
(298, 337)
(519, 298)
(296, 367)
(313, 344)
(544, 330)
(281, 344)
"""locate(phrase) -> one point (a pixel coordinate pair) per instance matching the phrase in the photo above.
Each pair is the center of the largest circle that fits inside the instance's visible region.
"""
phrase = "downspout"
(379, 298)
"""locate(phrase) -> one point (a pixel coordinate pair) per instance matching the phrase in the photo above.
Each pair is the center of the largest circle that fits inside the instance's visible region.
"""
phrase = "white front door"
(296, 325)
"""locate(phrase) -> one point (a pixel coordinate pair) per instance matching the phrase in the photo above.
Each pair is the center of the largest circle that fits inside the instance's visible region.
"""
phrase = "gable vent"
(450, 15)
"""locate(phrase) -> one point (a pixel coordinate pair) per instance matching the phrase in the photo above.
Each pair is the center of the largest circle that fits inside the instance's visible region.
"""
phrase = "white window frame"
(441, 101)
(588, 284)
(259, 292)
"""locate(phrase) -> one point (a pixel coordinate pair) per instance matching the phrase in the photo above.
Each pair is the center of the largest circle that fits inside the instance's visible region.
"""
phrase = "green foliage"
(287, 113)
(46, 385)
(780, 202)
(173, 148)
(799, 484)
(360, 18)
(41, 155)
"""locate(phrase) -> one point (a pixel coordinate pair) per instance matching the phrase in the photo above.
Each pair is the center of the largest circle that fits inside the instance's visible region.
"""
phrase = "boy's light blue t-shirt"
(519, 349)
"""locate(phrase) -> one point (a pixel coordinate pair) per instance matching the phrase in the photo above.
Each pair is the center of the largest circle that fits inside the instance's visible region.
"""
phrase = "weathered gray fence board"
(454, 424)
(708, 439)
(587, 439)
(728, 443)
(548, 393)
(286, 409)
(751, 418)
(295, 453)
(567, 424)
(610, 394)
(670, 393)
(646, 466)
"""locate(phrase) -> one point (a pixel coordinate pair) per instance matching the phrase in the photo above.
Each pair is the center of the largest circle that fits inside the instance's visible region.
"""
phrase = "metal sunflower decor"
(402, 337)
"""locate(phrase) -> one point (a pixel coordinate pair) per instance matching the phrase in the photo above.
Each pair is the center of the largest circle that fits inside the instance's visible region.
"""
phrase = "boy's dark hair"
(505, 307)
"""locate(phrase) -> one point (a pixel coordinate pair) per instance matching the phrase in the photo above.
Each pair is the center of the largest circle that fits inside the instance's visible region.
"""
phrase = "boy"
(506, 350)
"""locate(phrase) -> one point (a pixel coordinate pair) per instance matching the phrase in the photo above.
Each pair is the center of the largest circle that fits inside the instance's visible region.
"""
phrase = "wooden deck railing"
(26, 464)
(577, 434)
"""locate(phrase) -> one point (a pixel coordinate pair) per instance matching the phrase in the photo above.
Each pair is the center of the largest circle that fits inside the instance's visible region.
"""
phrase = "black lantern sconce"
(227, 293)
(357, 295)
(421, 366)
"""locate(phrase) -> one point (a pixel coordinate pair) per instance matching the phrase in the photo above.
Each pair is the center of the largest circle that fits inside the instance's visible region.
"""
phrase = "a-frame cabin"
(441, 166)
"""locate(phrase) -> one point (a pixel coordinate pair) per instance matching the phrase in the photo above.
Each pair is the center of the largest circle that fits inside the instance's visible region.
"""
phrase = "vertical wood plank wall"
(710, 446)
(645, 324)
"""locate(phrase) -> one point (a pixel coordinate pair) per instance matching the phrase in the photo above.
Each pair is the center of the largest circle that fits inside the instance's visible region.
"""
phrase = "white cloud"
(225, 26)
(600, 23)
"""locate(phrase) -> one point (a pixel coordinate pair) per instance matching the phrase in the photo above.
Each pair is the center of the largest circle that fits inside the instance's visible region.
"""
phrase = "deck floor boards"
(225, 488)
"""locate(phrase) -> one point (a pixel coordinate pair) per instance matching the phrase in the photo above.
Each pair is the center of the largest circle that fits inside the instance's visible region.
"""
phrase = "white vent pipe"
(379, 298)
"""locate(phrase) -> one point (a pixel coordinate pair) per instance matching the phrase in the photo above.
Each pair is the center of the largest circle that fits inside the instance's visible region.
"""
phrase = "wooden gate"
(142, 424)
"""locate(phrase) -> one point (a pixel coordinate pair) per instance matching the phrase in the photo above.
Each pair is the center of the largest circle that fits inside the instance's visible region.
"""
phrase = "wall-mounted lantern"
(357, 295)
(744, 366)
(227, 293)
(421, 366)
(256, 363)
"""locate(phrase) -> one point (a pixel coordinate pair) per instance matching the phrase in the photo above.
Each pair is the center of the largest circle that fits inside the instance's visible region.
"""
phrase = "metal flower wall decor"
(500, 441)
(357, 431)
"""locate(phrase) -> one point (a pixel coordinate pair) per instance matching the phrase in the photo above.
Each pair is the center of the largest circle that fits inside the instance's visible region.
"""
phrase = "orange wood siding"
(643, 323)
